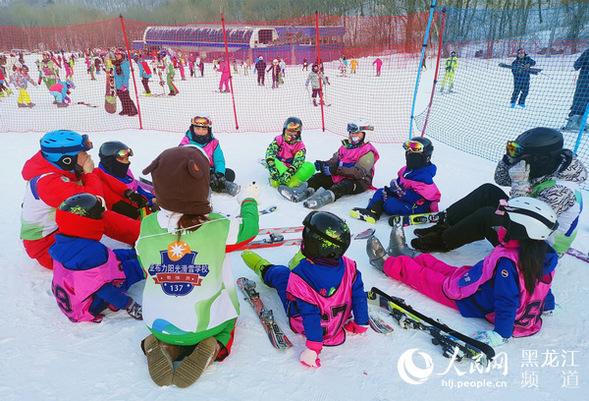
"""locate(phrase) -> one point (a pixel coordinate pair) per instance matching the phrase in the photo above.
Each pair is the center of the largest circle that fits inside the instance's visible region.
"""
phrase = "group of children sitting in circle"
(178, 245)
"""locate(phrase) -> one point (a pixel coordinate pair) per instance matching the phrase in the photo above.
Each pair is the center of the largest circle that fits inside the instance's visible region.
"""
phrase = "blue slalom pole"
(425, 39)
(581, 129)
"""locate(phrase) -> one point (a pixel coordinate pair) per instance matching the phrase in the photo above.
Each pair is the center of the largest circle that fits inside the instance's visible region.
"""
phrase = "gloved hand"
(510, 161)
(218, 181)
(395, 189)
(136, 198)
(329, 170)
(310, 356)
(67, 99)
(284, 178)
(252, 191)
(124, 88)
(134, 309)
(520, 179)
(353, 327)
(490, 337)
(271, 165)
(319, 165)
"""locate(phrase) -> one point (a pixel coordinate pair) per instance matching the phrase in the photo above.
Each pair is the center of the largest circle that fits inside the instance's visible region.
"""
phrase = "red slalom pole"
(229, 67)
(321, 72)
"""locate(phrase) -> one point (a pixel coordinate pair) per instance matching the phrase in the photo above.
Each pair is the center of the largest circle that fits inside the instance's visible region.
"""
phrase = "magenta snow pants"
(424, 273)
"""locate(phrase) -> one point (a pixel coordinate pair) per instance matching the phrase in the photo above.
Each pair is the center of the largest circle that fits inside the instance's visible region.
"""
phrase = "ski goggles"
(86, 143)
(125, 153)
(514, 149)
(291, 136)
(357, 128)
(293, 127)
(201, 121)
(413, 146)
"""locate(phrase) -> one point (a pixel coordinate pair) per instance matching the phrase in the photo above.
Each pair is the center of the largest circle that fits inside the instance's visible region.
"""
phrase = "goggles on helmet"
(293, 126)
(125, 153)
(356, 128)
(514, 149)
(201, 121)
(413, 146)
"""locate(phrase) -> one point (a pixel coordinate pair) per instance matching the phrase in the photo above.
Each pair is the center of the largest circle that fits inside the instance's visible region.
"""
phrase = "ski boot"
(255, 262)
(31, 105)
(63, 104)
(431, 243)
(370, 215)
(436, 229)
(573, 123)
(296, 194)
(230, 188)
(319, 199)
(377, 255)
(398, 243)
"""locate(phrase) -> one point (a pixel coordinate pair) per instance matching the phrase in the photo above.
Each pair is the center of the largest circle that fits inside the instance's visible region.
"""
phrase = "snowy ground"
(45, 357)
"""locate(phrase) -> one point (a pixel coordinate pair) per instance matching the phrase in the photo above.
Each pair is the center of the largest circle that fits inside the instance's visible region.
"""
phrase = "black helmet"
(294, 124)
(542, 148)
(109, 151)
(85, 205)
(426, 147)
(325, 236)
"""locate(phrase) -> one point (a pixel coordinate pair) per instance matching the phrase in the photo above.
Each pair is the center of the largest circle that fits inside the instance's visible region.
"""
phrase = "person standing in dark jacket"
(521, 78)
(261, 69)
(581, 97)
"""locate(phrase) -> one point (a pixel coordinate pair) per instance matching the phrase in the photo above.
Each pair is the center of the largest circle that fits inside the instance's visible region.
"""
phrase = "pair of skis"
(426, 218)
(453, 343)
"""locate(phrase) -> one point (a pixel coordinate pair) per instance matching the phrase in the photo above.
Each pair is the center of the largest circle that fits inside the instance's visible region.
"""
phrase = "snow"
(45, 357)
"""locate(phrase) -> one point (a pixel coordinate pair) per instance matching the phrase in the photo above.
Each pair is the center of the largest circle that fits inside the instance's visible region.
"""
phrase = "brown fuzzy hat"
(181, 180)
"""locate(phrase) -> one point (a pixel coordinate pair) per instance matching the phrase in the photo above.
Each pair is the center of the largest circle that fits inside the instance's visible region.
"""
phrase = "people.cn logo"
(410, 372)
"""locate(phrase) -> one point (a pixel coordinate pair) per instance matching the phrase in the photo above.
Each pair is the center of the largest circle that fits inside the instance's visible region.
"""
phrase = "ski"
(275, 334)
(533, 71)
(578, 254)
(412, 219)
(365, 234)
(453, 343)
(87, 104)
(261, 212)
(280, 230)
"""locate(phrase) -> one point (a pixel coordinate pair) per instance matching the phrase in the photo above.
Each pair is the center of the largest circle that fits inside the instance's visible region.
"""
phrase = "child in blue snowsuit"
(412, 192)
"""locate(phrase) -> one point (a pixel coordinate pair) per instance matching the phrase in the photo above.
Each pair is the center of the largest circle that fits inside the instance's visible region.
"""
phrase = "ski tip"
(365, 234)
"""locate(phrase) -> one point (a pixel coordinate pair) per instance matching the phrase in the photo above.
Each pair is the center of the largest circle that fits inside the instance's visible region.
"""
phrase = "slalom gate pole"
(320, 72)
(581, 129)
(425, 39)
(431, 99)
(229, 67)
(132, 70)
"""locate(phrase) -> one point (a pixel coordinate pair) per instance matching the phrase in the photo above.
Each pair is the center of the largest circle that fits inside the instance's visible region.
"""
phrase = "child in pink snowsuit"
(225, 76)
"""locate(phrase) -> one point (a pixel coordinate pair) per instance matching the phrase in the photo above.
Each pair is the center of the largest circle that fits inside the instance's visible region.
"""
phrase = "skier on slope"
(348, 172)
(285, 157)
(89, 277)
(122, 73)
(60, 91)
(509, 287)
(317, 81)
(63, 168)
(581, 96)
(450, 66)
(114, 161)
(260, 67)
(192, 313)
(144, 73)
(412, 192)
(200, 134)
(322, 281)
(521, 78)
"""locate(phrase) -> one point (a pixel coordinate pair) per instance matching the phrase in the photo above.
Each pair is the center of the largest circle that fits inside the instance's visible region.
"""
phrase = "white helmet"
(360, 124)
(275, 61)
(533, 218)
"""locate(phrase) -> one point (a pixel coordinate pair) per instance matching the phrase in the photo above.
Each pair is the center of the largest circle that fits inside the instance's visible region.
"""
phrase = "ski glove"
(251, 191)
(218, 181)
(271, 165)
(354, 327)
(136, 198)
(284, 178)
(520, 179)
(329, 170)
(134, 309)
(489, 337)
(310, 356)
(319, 165)
(395, 189)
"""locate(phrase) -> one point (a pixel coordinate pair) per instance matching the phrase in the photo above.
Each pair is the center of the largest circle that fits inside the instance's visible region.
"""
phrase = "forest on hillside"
(51, 13)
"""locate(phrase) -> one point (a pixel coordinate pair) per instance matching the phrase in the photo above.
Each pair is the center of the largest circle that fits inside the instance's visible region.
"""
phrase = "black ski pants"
(473, 217)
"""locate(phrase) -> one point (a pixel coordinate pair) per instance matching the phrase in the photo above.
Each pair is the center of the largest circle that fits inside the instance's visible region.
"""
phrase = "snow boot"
(319, 199)
(159, 363)
(376, 253)
(436, 229)
(512, 105)
(296, 194)
(255, 262)
(398, 243)
(193, 366)
(573, 123)
(370, 215)
(431, 243)
(231, 188)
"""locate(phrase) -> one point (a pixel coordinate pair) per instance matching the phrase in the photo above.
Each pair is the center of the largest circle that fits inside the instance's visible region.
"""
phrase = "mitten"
(252, 191)
(519, 175)
(354, 327)
(490, 337)
(310, 356)
(218, 181)
(136, 198)
(134, 309)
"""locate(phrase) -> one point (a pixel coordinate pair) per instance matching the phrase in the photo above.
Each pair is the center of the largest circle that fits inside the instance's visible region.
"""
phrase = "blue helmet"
(61, 148)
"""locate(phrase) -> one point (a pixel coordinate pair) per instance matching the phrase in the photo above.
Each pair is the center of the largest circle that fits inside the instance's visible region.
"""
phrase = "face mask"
(415, 160)
(355, 139)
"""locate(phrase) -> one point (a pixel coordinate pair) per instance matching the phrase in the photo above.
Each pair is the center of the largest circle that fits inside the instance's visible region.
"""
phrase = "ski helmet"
(201, 120)
(61, 148)
(292, 124)
(419, 144)
(529, 218)
(325, 236)
(314, 68)
(109, 151)
(541, 147)
(360, 125)
(85, 205)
